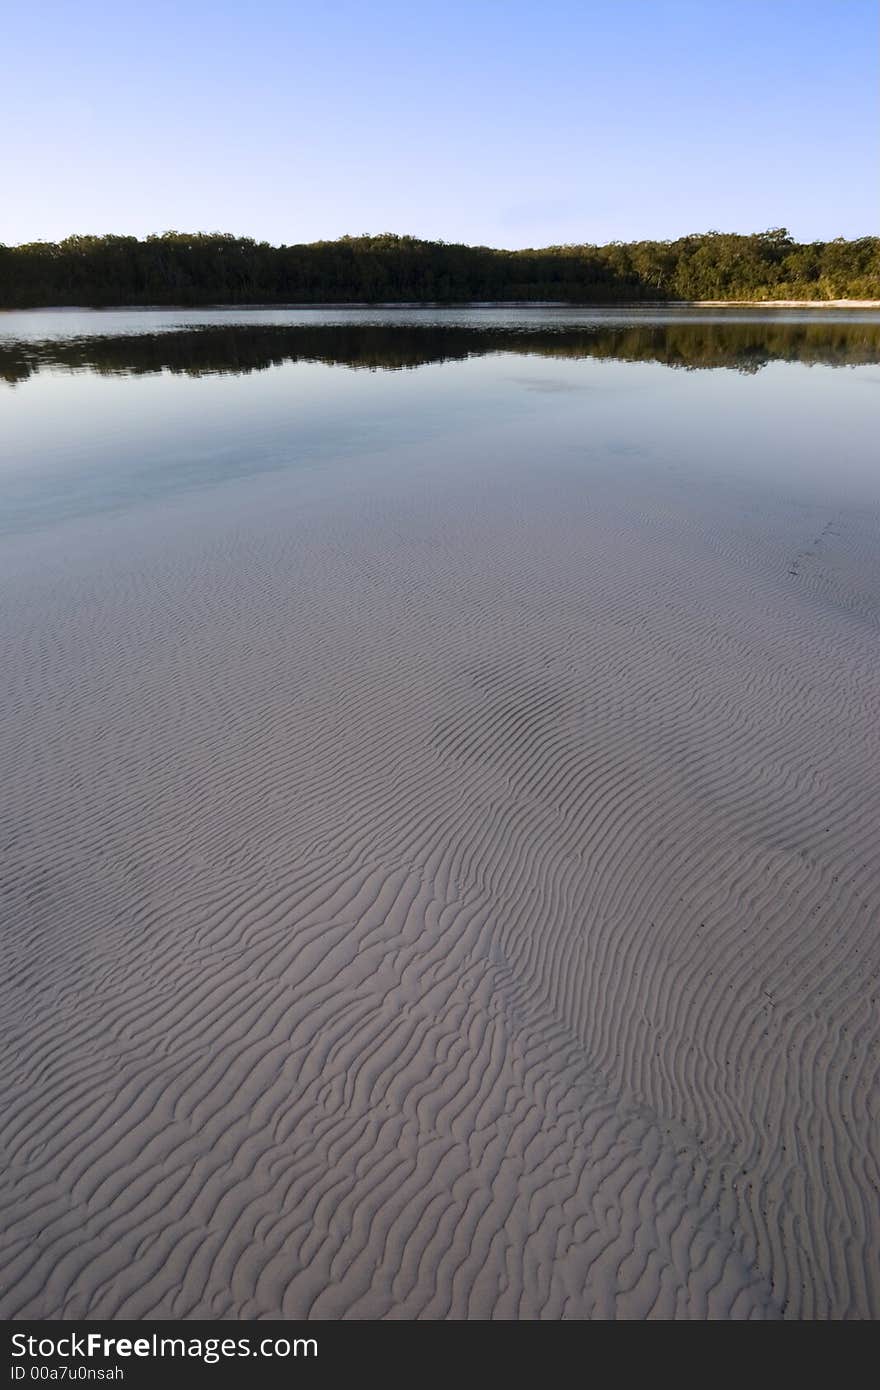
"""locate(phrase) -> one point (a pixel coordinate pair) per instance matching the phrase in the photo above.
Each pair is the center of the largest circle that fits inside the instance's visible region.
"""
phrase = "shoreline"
(783, 303)
(642, 304)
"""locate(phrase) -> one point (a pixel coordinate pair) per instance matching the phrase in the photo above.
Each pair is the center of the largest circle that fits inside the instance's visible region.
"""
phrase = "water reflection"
(110, 412)
(739, 345)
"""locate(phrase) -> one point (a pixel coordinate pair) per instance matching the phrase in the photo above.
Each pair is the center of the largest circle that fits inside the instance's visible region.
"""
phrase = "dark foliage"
(213, 268)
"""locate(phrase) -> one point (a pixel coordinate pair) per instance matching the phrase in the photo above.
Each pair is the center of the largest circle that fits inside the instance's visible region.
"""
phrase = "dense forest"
(214, 268)
(237, 349)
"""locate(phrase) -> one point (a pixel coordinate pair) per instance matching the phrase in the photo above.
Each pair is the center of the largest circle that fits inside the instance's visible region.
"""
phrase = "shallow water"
(439, 778)
(104, 410)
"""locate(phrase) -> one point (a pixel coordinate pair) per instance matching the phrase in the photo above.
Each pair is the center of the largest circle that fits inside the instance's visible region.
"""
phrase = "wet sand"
(453, 900)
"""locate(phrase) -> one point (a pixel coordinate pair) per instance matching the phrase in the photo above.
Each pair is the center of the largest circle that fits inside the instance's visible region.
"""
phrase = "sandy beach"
(789, 303)
(451, 900)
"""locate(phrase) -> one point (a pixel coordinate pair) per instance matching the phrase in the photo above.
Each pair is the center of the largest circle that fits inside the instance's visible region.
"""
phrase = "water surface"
(103, 410)
(439, 779)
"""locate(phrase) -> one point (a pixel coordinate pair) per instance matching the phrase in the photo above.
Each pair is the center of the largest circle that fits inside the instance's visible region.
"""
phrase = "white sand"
(790, 303)
(457, 900)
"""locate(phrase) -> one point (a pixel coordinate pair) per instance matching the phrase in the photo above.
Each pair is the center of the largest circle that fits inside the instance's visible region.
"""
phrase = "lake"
(119, 407)
(440, 775)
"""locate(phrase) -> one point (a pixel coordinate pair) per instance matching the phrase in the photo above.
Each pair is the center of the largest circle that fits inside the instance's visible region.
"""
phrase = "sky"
(496, 122)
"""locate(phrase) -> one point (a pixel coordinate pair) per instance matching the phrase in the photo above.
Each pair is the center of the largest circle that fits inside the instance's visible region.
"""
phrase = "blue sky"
(490, 121)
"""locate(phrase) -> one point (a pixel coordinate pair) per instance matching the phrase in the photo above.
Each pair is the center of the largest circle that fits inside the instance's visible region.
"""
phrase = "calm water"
(102, 411)
(440, 774)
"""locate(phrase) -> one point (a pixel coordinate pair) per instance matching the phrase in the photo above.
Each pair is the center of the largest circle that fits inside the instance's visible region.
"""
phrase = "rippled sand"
(455, 900)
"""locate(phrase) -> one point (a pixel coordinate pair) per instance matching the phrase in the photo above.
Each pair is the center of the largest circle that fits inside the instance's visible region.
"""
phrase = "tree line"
(177, 268)
(239, 349)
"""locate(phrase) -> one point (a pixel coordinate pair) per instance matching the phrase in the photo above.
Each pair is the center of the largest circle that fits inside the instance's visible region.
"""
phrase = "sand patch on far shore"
(789, 303)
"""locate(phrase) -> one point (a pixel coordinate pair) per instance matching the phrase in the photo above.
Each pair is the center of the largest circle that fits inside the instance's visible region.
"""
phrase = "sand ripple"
(457, 902)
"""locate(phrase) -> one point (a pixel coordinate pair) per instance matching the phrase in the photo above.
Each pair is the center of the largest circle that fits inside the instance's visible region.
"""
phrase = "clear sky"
(503, 122)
